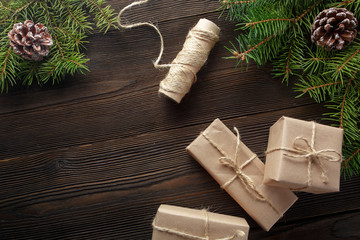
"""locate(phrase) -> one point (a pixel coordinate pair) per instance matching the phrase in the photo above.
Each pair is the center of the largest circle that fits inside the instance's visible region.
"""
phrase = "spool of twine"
(183, 69)
(182, 74)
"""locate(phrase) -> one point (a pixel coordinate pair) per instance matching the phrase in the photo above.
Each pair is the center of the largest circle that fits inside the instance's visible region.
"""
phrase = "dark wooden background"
(94, 157)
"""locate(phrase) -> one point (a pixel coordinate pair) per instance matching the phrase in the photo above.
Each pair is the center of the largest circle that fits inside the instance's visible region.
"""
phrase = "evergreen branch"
(242, 55)
(51, 72)
(343, 104)
(71, 14)
(357, 87)
(345, 3)
(287, 69)
(8, 9)
(68, 34)
(8, 70)
(319, 59)
(23, 7)
(351, 157)
(54, 35)
(348, 60)
(109, 22)
(268, 20)
(76, 63)
(58, 46)
(18, 10)
(286, 62)
(321, 86)
(229, 3)
(3, 73)
(307, 11)
(225, 2)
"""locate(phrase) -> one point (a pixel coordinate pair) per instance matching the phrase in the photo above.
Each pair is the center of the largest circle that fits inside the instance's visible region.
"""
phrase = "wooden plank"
(113, 188)
(332, 227)
(120, 115)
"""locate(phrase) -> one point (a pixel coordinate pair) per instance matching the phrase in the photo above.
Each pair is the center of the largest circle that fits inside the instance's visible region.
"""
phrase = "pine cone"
(334, 28)
(30, 41)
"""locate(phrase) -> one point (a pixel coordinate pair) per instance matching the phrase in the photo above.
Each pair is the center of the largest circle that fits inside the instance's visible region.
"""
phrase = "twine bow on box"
(310, 154)
(237, 235)
(232, 163)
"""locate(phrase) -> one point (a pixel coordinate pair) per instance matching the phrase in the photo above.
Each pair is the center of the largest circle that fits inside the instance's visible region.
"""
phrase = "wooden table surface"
(94, 157)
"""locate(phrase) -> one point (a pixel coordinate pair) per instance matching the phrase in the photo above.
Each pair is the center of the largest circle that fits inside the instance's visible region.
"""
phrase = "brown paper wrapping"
(208, 157)
(284, 171)
(191, 221)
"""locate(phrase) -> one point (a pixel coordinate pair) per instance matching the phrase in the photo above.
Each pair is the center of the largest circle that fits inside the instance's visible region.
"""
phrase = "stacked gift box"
(301, 156)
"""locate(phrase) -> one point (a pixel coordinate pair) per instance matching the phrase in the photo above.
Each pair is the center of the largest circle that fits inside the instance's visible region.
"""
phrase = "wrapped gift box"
(304, 156)
(215, 148)
(175, 223)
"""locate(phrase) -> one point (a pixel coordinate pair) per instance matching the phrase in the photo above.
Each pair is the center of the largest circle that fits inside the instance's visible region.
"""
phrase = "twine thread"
(246, 181)
(129, 26)
(311, 155)
(238, 233)
(189, 60)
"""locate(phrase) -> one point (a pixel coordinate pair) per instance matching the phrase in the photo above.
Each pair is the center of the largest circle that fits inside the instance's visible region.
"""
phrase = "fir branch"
(357, 87)
(351, 157)
(237, 2)
(345, 3)
(229, 3)
(320, 86)
(3, 70)
(3, 73)
(268, 20)
(54, 35)
(70, 12)
(343, 104)
(14, 12)
(106, 13)
(307, 11)
(101, 11)
(23, 7)
(320, 59)
(81, 24)
(348, 60)
(8, 9)
(287, 68)
(243, 54)
(67, 33)
(286, 64)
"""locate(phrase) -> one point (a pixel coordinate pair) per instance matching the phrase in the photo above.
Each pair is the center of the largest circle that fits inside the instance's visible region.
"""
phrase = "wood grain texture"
(94, 157)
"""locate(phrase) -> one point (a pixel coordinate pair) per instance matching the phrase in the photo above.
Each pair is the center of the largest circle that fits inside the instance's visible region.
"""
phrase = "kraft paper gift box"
(175, 223)
(240, 172)
(304, 156)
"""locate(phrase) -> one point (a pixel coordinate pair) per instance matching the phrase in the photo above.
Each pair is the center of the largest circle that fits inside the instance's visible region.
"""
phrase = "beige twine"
(238, 233)
(311, 155)
(247, 182)
(182, 74)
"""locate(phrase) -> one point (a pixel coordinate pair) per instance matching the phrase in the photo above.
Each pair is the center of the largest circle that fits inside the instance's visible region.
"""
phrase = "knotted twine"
(232, 163)
(311, 155)
(238, 233)
(182, 74)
